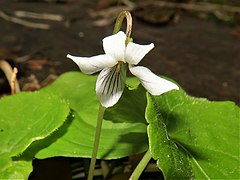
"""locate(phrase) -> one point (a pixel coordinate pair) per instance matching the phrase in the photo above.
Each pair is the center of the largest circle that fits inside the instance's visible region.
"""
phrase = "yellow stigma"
(119, 66)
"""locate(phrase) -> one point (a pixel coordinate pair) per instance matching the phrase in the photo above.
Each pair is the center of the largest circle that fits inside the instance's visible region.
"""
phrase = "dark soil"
(202, 56)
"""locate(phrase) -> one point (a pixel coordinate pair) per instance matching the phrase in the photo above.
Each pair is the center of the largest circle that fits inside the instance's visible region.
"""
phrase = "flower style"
(111, 80)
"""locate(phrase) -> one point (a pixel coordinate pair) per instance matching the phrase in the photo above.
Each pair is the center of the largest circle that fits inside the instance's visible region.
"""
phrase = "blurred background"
(197, 42)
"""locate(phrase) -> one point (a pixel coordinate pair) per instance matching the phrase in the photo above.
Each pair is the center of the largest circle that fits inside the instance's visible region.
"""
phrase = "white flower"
(111, 80)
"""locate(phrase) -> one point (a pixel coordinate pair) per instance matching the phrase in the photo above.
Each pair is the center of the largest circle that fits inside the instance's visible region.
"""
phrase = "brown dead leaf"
(48, 80)
(236, 32)
(32, 84)
(36, 64)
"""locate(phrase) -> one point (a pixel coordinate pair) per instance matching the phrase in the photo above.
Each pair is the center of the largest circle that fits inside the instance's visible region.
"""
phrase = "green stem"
(141, 166)
(118, 24)
(96, 142)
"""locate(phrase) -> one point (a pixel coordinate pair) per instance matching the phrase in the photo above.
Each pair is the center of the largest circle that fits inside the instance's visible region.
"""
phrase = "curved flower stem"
(96, 142)
(118, 24)
(141, 166)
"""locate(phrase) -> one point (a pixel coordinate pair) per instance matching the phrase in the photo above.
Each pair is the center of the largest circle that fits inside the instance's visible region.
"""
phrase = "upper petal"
(110, 85)
(90, 65)
(153, 83)
(135, 52)
(114, 45)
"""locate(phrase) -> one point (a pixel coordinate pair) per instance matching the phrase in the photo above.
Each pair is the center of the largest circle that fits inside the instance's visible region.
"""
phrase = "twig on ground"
(201, 7)
(13, 80)
(34, 15)
(22, 58)
(23, 22)
(10, 75)
(107, 15)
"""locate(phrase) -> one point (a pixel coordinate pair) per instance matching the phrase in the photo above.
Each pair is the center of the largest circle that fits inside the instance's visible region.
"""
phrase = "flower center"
(119, 65)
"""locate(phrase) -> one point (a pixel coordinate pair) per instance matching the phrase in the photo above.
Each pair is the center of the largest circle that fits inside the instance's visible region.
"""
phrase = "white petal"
(90, 65)
(110, 85)
(114, 45)
(153, 83)
(135, 52)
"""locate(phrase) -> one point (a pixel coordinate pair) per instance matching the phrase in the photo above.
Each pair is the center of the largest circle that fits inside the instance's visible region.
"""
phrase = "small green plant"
(190, 138)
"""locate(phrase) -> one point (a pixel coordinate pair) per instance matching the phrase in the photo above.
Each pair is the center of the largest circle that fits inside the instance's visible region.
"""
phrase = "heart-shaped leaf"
(25, 118)
(171, 160)
(207, 132)
(124, 126)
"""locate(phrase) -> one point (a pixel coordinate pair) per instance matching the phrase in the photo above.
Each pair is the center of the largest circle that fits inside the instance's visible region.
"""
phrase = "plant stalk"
(96, 142)
(141, 166)
(118, 24)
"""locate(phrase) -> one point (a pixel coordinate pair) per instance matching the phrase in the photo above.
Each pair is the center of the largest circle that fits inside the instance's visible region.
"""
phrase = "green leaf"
(27, 117)
(170, 159)
(208, 133)
(120, 136)
(11, 169)
(130, 108)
